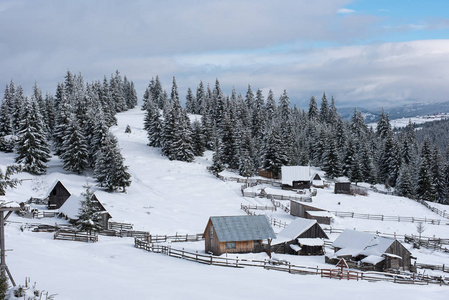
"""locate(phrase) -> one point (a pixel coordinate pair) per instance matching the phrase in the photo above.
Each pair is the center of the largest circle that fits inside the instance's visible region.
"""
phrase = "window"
(230, 245)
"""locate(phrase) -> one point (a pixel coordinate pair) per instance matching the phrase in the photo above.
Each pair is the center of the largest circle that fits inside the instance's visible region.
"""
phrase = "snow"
(402, 122)
(310, 242)
(168, 197)
(372, 259)
(71, 207)
(293, 230)
(295, 173)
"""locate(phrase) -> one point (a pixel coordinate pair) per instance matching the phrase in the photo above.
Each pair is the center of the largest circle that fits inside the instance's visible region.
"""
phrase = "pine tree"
(331, 161)
(383, 128)
(199, 143)
(324, 110)
(274, 155)
(425, 188)
(200, 99)
(153, 124)
(110, 171)
(217, 163)
(405, 183)
(313, 109)
(33, 150)
(89, 215)
(6, 180)
(190, 102)
(74, 152)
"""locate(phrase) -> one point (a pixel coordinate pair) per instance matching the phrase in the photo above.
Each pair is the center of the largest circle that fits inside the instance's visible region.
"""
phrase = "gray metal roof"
(242, 228)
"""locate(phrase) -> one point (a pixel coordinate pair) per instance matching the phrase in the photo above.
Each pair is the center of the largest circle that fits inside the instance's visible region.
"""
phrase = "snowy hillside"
(168, 197)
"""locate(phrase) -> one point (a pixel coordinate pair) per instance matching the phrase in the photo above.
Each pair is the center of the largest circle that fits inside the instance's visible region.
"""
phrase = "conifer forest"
(247, 133)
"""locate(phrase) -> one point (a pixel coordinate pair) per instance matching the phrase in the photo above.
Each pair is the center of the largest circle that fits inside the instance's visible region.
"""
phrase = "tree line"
(74, 124)
(250, 133)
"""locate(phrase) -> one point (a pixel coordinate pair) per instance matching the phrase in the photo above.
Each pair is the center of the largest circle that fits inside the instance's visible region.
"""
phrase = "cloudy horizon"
(364, 53)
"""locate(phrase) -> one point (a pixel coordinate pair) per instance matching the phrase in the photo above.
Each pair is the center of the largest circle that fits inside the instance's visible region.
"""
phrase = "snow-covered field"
(168, 197)
(402, 122)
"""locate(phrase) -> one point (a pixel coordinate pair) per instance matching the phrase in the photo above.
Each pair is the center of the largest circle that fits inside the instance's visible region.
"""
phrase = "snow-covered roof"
(372, 259)
(311, 242)
(319, 213)
(71, 207)
(361, 243)
(295, 247)
(293, 230)
(5, 203)
(295, 173)
(242, 228)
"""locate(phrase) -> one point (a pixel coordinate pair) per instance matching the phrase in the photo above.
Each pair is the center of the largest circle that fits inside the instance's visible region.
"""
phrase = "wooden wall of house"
(58, 196)
(298, 209)
(267, 174)
(319, 219)
(314, 232)
(398, 249)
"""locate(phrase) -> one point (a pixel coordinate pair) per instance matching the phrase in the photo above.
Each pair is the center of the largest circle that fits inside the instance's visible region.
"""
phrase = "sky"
(366, 53)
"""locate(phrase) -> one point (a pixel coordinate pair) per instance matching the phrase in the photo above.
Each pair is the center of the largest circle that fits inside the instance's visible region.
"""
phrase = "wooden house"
(71, 207)
(295, 177)
(299, 209)
(57, 195)
(237, 234)
(372, 252)
(301, 237)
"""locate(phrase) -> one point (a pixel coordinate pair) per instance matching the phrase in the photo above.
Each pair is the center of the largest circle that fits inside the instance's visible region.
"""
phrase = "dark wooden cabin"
(57, 195)
(237, 234)
(302, 210)
(342, 188)
(372, 252)
(300, 237)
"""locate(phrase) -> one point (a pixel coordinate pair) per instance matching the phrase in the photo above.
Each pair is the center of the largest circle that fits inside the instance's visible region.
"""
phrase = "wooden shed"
(343, 187)
(317, 181)
(296, 177)
(301, 237)
(372, 252)
(299, 209)
(57, 195)
(237, 234)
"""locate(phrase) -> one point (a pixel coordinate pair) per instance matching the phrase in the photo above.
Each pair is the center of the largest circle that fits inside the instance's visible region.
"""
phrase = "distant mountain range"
(397, 112)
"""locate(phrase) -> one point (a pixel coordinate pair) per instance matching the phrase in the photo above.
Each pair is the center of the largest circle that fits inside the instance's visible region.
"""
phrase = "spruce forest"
(247, 133)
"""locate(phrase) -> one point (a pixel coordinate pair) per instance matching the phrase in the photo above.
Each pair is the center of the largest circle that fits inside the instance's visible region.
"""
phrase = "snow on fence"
(276, 197)
(251, 181)
(389, 218)
(283, 266)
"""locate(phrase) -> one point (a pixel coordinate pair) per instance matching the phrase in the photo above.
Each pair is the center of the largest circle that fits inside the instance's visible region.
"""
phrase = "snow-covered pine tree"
(117, 92)
(383, 128)
(324, 110)
(89, 214)
(270, 108)
(74, 151)
(405, 183)
(32, 148)
(190, 102)
(200, 99)
(331, 161)
(438, 176)
(110, 171)
(217, 163)
(5, 178)
(274, 154)
(153, 124)
(182, 143)
(313, 109)
(199, 144)
(425, 189)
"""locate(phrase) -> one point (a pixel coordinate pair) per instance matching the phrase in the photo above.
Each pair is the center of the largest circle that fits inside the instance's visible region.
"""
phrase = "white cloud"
(344, 11)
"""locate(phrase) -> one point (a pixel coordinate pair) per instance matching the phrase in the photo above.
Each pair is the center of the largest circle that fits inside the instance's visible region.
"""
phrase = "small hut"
(317, 181)
(296, 177)
(342, 187)
(57, 195)
(299, 209)
(302, 237)
(371, 252)
(237, 234)
(71, 207)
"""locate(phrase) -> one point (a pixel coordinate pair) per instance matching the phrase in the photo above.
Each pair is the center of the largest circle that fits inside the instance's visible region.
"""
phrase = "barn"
(301, 237)
(372, 252)
(296, 177)
(237, 234)
(299, 209)
(317, 181)
(71, 207)
(342, 187)
(57, 195)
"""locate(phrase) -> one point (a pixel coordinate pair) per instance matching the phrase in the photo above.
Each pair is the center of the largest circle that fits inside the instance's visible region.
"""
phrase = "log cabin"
(237, 234)
(300, 237)
(57, 195)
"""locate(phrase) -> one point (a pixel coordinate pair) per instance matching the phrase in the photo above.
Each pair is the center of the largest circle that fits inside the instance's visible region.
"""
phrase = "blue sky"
(365, 53)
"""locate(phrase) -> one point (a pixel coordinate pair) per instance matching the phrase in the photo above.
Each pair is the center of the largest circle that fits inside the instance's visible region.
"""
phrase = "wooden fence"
(76, 236)
(280, 265)
(442, 267)
(434, 244)
(276, 197)
(252, 181)
(388, 218)
(280, 205)
(120, 226)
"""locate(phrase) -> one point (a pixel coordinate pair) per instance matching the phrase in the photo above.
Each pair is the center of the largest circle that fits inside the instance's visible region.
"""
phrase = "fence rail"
(279, 265)
(344, 214)
(76, 236)
(120, 226)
